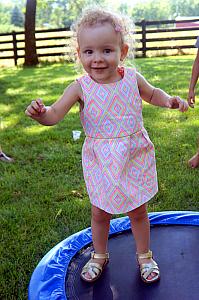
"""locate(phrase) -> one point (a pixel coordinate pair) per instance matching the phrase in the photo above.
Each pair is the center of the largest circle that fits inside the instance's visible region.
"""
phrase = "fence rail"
(150, 36)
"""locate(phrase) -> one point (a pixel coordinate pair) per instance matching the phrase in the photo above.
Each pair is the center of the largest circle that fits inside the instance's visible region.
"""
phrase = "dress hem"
(124, 212)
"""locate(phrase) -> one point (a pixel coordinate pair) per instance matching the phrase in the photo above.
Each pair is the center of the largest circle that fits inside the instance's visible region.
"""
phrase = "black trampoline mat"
(176, 250)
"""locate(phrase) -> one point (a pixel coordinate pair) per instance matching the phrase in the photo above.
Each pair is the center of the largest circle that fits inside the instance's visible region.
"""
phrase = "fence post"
(14, 38)
(143, 24)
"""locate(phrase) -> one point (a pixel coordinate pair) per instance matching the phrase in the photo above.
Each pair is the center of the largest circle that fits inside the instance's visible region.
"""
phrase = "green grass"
(43, 196)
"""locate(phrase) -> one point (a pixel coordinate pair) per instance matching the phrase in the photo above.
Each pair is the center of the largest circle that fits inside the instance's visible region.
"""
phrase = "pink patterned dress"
(118, 157)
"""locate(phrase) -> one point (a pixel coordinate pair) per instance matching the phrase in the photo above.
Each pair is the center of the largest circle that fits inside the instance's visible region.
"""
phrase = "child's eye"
(107, 51)
(88, 52)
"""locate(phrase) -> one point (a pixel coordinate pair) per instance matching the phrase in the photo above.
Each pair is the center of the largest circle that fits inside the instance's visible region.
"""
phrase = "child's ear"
(78, 52)
(124, 51)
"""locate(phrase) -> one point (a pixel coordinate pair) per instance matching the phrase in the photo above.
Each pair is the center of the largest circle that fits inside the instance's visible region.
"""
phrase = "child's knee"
(139, 213)
(99, 215)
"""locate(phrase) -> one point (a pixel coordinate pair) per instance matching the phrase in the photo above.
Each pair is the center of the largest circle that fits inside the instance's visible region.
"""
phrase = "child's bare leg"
(141, 231)
(100, 224)
(194, 161)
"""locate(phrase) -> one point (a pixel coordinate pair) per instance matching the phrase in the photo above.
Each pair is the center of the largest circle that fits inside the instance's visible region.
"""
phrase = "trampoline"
(174, 242)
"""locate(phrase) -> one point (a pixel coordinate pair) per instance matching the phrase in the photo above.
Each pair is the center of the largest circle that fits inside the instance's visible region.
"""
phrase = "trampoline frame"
(48, 278)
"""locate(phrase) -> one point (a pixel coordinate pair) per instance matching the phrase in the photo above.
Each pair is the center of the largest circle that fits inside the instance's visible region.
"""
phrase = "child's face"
(100, 51)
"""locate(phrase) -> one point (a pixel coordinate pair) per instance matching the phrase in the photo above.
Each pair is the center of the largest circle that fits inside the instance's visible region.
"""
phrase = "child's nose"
(98, 57)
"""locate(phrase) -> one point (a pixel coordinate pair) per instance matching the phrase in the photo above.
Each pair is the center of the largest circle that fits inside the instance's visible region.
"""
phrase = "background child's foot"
(194, 161)
(4, 157)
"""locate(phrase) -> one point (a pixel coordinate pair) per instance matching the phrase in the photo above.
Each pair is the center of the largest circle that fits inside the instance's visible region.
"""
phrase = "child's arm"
(53, 114)
(158, 97)
(193, 81)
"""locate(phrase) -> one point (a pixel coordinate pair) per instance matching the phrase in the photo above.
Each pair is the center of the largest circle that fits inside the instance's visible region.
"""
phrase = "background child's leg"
(194, 161)
(140, 226)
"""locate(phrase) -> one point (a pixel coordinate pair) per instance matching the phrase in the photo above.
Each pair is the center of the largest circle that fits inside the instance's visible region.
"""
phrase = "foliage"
(184, 7)
(61, 13)
(163, 10)
(151, 10)
(17, 18)
(5, 11)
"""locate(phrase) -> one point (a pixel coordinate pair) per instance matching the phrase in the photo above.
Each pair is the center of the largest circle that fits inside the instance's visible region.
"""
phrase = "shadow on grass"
(19, 86)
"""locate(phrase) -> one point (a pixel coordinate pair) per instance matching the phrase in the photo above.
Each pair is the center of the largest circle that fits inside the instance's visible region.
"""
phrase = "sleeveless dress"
(117, 156)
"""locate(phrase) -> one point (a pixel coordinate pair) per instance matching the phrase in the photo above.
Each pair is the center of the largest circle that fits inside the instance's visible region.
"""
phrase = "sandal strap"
(100, 256)
(91, 265)
(94, 269)
(148, 254)
(147, 269)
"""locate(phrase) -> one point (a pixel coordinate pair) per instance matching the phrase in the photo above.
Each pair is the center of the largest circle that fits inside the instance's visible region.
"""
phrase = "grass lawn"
(42, 194)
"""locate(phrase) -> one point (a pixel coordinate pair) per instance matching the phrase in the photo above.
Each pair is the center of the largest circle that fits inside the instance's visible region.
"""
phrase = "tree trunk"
(31, 58)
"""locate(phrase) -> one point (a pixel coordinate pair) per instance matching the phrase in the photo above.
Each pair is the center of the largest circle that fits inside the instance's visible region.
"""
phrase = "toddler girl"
(118, 157)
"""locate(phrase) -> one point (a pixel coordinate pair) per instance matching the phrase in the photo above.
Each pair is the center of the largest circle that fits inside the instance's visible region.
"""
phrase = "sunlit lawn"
(43, 196)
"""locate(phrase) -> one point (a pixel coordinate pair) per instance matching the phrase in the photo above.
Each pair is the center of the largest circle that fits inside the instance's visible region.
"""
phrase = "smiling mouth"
(103, 68)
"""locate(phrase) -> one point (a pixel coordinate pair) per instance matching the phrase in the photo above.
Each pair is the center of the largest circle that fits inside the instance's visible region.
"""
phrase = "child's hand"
(176, 102)
(35, 109)
(191, 98)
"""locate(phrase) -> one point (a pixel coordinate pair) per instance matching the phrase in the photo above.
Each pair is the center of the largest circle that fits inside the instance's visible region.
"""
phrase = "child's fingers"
(183, 105)
(32, 109)
(35, 108)
(177, 102)
(39, 101)
(191, 98)
(40, 104)
(35, 105)
(191, 101)
(27, 112)
(174, 102)
(186, 106)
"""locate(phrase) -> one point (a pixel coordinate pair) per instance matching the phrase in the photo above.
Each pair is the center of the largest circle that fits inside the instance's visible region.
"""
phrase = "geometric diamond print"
(102, 94)
(94, 111)
(109, 127)
(117, 108)
(125, 89)
(118, 156)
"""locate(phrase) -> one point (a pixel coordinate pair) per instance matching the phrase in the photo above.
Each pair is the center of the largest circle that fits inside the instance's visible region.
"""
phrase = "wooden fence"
(152, 38)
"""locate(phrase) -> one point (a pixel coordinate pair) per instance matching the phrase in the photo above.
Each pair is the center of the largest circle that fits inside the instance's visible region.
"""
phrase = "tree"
(61, 13)
(184, 7)
(17, 17)
(31, 58)
(151, 10)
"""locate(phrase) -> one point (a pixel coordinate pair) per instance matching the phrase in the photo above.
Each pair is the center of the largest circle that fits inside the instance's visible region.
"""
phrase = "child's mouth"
(101, 68)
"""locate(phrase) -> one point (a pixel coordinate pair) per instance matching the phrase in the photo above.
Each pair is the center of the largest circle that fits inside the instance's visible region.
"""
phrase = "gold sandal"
(94, 269)
(148, 268)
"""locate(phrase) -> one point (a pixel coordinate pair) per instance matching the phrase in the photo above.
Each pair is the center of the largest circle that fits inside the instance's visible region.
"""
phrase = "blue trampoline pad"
(175, 244)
